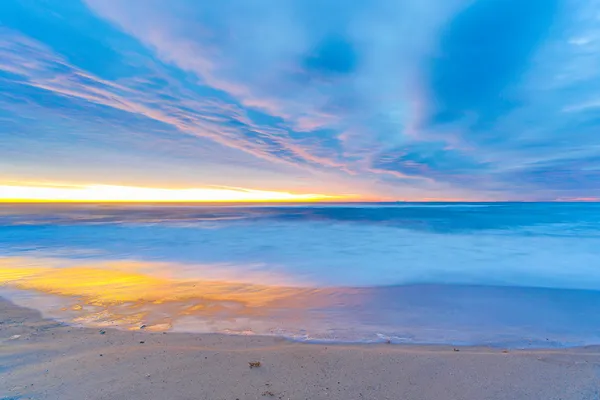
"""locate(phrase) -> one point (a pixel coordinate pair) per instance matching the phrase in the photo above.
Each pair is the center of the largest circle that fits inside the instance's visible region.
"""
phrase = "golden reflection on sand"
(117, 293)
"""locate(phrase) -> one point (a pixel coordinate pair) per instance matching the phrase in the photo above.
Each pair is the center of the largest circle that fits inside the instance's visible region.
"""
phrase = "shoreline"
(45, 359)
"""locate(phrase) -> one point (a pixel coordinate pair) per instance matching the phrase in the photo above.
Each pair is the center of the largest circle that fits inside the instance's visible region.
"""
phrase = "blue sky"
(413, 99)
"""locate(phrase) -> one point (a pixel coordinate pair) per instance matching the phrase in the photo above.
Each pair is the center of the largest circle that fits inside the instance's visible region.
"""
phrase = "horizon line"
(294, 201)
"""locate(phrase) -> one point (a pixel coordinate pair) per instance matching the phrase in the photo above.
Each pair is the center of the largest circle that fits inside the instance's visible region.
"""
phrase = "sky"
(370, 99)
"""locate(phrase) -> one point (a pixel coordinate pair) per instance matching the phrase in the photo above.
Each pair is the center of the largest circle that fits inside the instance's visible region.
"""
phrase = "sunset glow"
(112, 193)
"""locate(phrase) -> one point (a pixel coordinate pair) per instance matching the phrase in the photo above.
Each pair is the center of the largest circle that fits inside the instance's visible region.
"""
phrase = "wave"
(442, 218)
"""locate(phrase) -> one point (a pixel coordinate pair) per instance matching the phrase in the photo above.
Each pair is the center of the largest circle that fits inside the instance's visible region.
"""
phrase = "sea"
(515, 275)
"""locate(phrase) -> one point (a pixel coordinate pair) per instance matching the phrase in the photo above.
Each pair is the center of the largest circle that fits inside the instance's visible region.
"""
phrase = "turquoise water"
(516, 274)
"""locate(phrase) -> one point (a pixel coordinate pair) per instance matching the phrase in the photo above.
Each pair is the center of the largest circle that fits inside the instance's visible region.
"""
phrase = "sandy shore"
(41, 359)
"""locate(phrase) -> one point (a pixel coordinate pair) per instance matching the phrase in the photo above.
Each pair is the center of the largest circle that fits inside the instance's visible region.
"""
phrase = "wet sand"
(42, 359)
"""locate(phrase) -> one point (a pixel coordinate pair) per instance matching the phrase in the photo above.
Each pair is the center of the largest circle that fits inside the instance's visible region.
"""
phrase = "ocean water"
(505, 274)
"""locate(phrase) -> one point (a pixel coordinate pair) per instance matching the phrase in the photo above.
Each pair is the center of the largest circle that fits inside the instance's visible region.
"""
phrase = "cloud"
(187, 112)
(476, 99)
(482, 52)
(290, 59)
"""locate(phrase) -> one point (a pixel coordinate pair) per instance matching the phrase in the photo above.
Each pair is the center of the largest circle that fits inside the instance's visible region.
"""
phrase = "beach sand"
(42, 359)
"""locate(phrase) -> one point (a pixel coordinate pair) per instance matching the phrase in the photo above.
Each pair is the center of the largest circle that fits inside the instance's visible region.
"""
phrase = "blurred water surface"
(516, 274)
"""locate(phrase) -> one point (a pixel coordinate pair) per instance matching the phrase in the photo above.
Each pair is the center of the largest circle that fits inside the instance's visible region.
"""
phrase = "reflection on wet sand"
(161, 296)
(119, 294)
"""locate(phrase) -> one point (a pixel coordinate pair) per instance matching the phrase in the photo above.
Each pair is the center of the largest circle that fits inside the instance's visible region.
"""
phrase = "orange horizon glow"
(104, 193)
(134, 194)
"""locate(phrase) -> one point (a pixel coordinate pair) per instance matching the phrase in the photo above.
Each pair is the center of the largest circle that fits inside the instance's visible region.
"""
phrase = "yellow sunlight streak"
(119, 294)
(118, 282)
